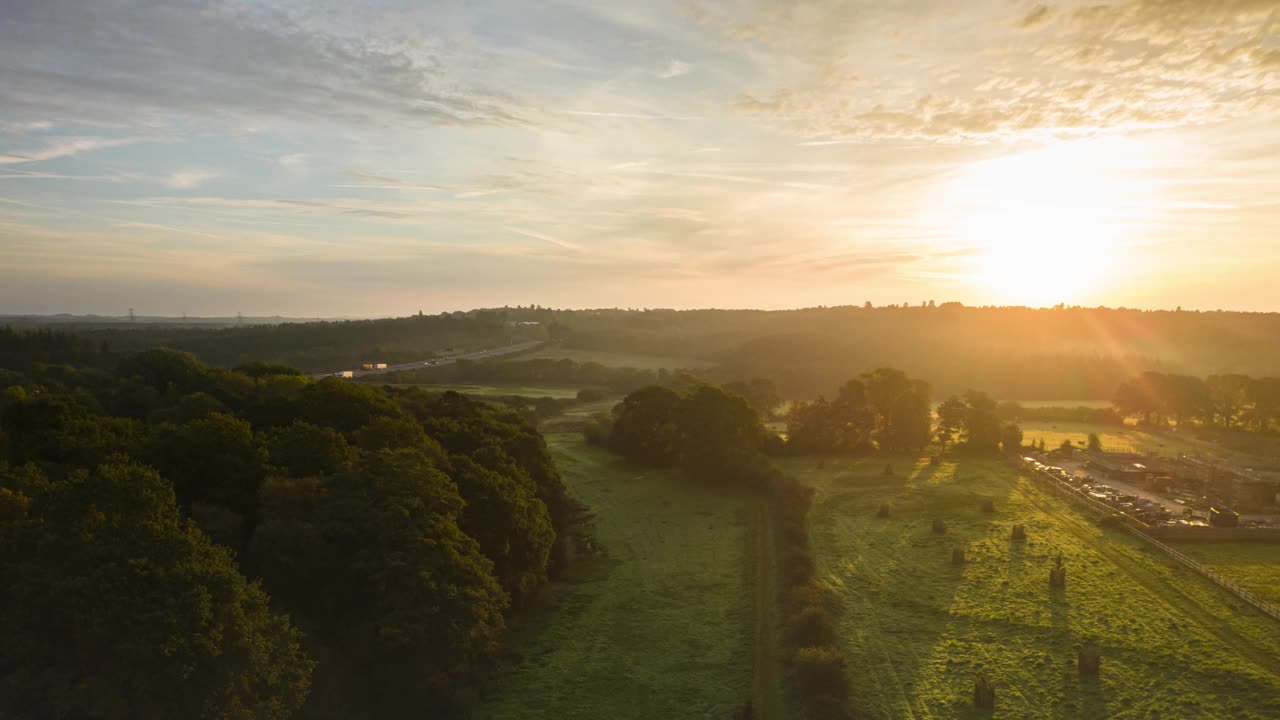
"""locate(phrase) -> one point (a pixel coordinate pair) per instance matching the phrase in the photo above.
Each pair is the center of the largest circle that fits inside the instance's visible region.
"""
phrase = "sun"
(1050, 225)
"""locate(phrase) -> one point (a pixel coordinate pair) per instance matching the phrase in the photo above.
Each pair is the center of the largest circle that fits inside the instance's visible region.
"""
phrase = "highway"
(437, 362)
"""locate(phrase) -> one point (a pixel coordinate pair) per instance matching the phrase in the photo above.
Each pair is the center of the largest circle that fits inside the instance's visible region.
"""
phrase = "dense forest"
(184, 541)
(312, 347)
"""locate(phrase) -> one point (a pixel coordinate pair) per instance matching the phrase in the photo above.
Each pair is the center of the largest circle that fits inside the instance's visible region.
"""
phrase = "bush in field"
(590, 395)
(596, 430)
(820, 671)
(811, 625)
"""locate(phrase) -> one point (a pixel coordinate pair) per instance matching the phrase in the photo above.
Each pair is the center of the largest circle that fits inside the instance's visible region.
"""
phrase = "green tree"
(953, 415)
(982, 432)
(1011, 438)
(217, 460)
(644, 430)
(304, 450)
(901, 408)
(374, 558)
(760, 393)
(1228, 396)
(716, 431)
(113, 606)
(506, 517)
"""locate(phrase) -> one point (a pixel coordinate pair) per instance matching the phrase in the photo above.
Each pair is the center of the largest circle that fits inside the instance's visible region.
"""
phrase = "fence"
(1137, 527)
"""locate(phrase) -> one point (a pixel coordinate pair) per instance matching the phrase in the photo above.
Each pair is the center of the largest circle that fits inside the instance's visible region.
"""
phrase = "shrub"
(590, 395)
(820, 671)
(811, 625)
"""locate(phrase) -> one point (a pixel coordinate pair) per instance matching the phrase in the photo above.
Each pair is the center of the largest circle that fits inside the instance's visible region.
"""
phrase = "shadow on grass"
(895, 576)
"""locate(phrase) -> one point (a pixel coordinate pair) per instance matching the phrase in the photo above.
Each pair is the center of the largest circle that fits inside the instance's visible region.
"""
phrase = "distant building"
(366, 366)
(346, 373)
(379, 366)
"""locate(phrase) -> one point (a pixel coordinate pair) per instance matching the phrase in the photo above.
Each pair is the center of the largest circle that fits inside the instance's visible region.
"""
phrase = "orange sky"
(334, 159)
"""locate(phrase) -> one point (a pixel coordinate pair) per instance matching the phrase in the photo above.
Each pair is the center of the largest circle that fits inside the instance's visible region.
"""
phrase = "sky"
(361, 158)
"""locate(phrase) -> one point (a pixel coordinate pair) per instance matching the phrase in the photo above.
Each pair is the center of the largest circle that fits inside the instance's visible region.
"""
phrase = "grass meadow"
(1114, 439)
(1255, 566)
(658, 625)
(917, 630)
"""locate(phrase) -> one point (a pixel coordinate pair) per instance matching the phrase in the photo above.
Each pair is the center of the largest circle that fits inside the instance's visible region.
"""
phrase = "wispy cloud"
(545, 238)
(64, 147)
(675, 69)
(632, 116)
(297, 163)
(187, 179)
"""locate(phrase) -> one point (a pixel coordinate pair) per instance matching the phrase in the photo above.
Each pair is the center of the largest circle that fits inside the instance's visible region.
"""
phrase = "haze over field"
(339, 158)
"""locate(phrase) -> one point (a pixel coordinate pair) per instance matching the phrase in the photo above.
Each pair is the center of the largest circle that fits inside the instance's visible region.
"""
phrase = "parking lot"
(1148, 506)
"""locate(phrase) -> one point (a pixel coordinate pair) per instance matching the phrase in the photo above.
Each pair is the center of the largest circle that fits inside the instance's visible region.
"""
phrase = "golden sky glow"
(375, 158)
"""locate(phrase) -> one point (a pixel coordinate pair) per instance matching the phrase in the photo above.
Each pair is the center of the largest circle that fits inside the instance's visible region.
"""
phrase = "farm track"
(766, 697)
(883, 672)
(1167, 593)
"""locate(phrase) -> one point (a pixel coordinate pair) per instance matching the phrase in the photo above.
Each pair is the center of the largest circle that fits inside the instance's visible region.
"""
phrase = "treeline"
(1013, 411)
(1046, 354)
(21, 349)
(1228, 401)
(178, 540)
(311, 346)
(887, 410)
(536, 371)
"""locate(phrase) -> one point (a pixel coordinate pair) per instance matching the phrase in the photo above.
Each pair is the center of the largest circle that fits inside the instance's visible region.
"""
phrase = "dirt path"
(766, 683)
(1168, 593)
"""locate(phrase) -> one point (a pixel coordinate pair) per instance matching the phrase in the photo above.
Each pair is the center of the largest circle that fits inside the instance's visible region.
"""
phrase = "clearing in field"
(660, 624)
(917, 630)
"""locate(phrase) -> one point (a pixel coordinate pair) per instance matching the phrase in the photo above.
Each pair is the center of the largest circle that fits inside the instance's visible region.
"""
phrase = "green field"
(660, 624)
(1255, 566)
(1064, 403)
(617, 359)
(1114, 439)
(918, 630)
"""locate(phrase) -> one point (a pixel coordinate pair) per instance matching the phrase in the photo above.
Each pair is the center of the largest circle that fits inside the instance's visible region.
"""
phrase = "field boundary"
(1137, 528)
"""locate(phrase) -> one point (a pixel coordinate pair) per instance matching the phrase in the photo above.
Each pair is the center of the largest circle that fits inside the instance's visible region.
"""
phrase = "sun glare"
(1049, 225)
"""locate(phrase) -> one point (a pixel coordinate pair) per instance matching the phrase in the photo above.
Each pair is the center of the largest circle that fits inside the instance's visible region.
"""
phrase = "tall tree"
(1228, 396)
(982, 432)
(952, 418)
(901, 407)
(374, 557)
(716, 430)
(644, 430)
(113, 606)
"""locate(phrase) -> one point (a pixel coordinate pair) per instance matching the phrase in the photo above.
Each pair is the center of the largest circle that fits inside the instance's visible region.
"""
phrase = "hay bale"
(1058, 574)
(984, 694)
(957, 556)
(939, 527)
(1019, 533)
(988, 506)
(884, 511)
(1089, 661)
